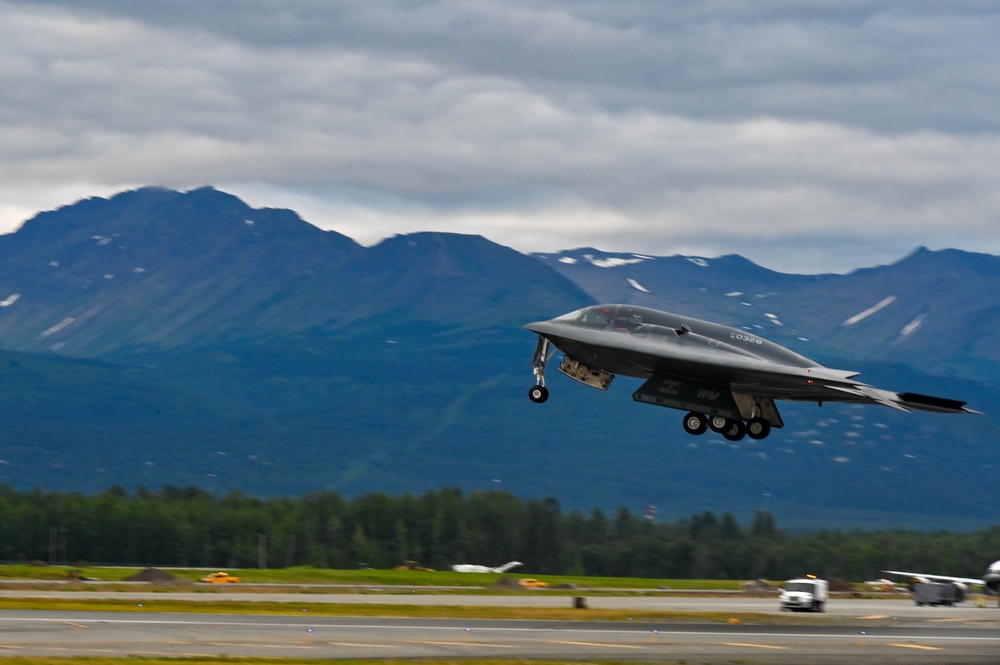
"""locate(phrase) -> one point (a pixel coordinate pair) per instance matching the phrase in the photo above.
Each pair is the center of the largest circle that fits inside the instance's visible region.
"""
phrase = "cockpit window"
(627, 318)
(591, 317)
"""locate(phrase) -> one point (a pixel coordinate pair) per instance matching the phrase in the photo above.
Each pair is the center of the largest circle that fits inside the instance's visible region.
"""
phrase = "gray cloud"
(806, 136)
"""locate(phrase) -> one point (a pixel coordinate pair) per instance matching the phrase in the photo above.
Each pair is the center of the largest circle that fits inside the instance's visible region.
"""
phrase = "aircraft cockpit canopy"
(588, 317)
(623, 318)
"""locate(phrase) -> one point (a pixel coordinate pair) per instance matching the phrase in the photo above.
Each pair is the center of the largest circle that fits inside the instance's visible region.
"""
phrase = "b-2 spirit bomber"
(727, 379)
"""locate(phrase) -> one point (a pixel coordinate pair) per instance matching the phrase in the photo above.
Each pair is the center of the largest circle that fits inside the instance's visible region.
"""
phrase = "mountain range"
(184, 338)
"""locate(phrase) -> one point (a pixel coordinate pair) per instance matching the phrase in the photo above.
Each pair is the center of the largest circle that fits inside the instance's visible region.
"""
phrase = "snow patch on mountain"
(611, 261)
(912, 326)
(59, 326)
(636, 285)
(882, 304)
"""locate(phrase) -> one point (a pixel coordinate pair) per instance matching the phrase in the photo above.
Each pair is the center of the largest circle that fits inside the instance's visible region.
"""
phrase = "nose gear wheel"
(538, 394)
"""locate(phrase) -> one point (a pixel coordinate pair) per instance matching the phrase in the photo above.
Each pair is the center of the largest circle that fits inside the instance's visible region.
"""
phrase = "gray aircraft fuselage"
(630, 340)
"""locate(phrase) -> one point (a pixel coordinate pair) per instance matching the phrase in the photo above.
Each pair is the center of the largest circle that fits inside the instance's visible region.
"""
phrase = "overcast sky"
(807, 136)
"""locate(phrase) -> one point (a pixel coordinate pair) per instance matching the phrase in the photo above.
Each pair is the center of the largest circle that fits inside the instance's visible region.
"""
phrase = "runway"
(866, 631)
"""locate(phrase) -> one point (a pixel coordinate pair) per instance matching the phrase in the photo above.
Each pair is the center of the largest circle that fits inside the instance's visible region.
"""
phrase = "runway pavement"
(187, 635)
(883, 631)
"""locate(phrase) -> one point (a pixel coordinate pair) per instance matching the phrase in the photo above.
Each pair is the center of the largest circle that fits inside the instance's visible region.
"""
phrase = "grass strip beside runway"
(303, 575)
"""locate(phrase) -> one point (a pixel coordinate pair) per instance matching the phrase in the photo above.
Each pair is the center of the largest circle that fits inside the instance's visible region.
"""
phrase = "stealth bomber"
(726, 379)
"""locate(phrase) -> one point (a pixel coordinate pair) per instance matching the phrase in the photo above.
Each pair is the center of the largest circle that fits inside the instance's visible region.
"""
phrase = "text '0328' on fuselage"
(727, 379)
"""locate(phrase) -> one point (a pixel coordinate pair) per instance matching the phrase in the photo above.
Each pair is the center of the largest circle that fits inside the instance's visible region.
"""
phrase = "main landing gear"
(734, 430)
(694, 422)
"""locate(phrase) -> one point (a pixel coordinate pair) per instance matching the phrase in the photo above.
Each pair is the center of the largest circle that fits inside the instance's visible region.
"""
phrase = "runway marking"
(74, 624)
(876, 616)
(755, 646)
(596, 644)
(174, 654)
(297, 644)
(463, 644)
(260, 645)
(915, 646)
(160, 654)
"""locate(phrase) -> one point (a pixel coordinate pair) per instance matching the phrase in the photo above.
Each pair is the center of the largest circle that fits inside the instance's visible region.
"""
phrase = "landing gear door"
(759, 407)
(714, 399)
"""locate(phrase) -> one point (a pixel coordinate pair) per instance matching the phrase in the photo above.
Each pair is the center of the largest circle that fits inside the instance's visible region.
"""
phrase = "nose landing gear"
(543, 351)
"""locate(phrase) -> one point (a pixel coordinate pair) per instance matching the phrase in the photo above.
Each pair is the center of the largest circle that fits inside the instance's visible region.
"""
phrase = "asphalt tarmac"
(870, 631)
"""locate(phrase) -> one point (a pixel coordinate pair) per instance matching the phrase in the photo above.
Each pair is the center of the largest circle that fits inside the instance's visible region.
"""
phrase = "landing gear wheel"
(718, 424)
(758, 428)
(538, 394)
(695, 423)
(735, 431)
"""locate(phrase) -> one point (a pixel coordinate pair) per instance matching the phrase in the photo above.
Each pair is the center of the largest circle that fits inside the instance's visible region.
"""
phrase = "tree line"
(192, 527)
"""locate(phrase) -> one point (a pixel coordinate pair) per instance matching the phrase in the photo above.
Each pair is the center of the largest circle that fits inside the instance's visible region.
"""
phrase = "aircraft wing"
(821, 387)
(940, 578)
(507, 566)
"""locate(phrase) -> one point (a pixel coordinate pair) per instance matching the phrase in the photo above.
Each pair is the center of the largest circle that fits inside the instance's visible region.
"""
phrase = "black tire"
(735, 431)
(718, 424)
(538, 394)
(695, 423)
(758, 428)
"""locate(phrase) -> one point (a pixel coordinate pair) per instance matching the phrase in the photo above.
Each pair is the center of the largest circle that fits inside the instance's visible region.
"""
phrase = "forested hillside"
(190, 527)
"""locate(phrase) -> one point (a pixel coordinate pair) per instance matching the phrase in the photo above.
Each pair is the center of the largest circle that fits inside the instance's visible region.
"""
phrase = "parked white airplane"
(990, 581)
(475, 568)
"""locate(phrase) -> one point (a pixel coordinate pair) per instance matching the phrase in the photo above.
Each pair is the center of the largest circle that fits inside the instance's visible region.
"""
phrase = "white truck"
(806, 594)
